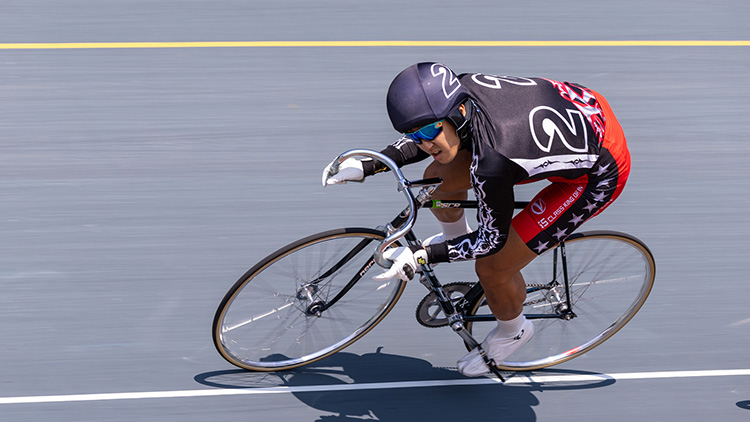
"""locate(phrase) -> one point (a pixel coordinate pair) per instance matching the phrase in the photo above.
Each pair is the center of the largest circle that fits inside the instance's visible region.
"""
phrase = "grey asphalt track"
(137, 185)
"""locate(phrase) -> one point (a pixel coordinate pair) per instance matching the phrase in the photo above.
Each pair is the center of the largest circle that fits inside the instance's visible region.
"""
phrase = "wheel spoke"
(265, 321)
(609, 274)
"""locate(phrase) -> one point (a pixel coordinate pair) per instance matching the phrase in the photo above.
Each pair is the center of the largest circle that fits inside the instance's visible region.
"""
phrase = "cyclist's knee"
(491, 267)
(432, 170)
(508, 262)
(455, 176)
(442, 171)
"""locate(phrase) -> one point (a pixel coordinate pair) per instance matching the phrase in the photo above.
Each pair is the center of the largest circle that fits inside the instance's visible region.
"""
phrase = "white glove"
(405, 263)
(349, 170)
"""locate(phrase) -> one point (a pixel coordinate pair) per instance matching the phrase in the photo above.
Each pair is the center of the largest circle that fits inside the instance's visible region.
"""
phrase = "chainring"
(429, 312)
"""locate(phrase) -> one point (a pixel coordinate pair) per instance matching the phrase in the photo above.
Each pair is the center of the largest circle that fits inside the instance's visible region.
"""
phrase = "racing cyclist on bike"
(489, 133)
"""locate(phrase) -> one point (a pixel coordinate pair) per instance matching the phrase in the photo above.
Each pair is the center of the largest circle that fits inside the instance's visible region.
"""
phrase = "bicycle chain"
(541, 287)
(450, 287)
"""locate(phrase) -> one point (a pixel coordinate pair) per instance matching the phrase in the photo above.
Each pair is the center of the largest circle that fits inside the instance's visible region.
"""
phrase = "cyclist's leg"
(455, 187)
(500, 276)
(553, 214)
(505, 291)
(563, 206)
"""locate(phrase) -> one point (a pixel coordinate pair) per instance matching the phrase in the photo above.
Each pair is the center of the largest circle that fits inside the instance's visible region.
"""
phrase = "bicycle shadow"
(497, 402)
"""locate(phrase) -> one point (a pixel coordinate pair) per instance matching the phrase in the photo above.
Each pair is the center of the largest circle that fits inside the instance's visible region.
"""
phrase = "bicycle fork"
(455, 318)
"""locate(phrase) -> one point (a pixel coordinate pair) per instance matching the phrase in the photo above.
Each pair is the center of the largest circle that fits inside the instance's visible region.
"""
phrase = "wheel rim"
(271, 322)
(610, 277)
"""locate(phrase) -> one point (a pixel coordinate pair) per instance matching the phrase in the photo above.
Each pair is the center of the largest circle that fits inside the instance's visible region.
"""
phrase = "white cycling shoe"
(497, 348)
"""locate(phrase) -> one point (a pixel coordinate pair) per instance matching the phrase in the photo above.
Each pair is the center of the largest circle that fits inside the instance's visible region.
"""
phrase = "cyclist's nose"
(425, 145)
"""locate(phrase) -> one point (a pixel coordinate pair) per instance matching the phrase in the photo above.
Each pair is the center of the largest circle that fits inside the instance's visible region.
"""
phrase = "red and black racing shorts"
(560, 208)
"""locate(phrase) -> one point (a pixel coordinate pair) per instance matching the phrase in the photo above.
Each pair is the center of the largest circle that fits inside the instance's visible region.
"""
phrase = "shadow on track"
(439, 403)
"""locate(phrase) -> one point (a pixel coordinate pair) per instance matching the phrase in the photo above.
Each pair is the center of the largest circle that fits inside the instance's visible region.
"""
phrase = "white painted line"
(516, 379)
(520, 378)
(738, 323)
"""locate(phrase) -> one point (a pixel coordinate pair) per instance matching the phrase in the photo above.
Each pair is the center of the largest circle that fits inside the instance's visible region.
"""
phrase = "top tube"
(436, 203)
(404, 186)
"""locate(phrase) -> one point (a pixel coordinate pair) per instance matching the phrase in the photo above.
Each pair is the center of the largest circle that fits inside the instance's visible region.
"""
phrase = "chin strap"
(462, 122)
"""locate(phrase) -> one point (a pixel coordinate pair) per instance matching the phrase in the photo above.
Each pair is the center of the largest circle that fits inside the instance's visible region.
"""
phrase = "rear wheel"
(304, 302)
(610, 275)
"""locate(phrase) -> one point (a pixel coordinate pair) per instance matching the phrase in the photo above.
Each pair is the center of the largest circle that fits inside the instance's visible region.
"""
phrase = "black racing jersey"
(522, 129)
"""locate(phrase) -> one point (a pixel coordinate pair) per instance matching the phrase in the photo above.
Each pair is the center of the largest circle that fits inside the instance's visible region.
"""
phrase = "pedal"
(491, 365)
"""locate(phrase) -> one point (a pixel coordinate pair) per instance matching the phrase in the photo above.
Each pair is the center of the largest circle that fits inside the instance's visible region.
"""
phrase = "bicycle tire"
(264, 324)
(610, 275)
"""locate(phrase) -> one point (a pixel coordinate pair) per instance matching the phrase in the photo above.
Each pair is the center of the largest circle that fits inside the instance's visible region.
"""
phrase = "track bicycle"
(313, 297)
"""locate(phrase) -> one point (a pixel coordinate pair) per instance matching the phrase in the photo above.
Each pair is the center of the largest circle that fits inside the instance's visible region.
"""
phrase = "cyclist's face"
(444, 147)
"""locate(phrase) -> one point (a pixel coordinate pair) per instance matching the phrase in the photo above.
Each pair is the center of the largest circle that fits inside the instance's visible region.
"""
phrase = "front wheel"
(610, 275)
(304, 302)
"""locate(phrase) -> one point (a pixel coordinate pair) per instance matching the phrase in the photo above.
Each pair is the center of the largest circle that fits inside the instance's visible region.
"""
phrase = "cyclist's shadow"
(478, 402)
(436, 404)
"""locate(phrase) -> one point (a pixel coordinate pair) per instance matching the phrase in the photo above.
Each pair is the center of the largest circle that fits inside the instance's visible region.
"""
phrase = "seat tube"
(563, 255)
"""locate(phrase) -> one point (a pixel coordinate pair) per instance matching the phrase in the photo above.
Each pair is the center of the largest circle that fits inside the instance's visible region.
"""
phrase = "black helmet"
(424, 93)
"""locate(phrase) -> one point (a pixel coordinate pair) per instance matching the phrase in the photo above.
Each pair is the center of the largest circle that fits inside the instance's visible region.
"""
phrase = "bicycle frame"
(308, 300)
(401, 227)
(477, 290)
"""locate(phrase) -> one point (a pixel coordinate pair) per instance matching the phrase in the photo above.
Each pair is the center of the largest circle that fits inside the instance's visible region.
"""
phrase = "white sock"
(510, 328)
(456, 228)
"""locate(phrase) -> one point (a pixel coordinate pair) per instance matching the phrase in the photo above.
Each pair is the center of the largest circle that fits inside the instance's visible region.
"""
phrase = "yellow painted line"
(215, 44)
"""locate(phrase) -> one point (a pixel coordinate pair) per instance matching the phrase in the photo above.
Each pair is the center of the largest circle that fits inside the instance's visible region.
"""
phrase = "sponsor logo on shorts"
(538, 206)
(550, 218)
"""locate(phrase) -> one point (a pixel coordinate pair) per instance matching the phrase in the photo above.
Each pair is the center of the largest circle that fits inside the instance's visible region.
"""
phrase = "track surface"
(138, 184)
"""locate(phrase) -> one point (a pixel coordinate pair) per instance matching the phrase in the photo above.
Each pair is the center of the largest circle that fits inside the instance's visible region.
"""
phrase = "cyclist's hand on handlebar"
(349, 170)
(405, 262)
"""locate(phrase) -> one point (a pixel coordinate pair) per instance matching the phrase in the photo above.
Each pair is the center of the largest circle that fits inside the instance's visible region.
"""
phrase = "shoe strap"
(491, 365)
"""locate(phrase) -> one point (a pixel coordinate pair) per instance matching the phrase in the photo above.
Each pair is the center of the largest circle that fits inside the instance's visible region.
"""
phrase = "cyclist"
(489, 133)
